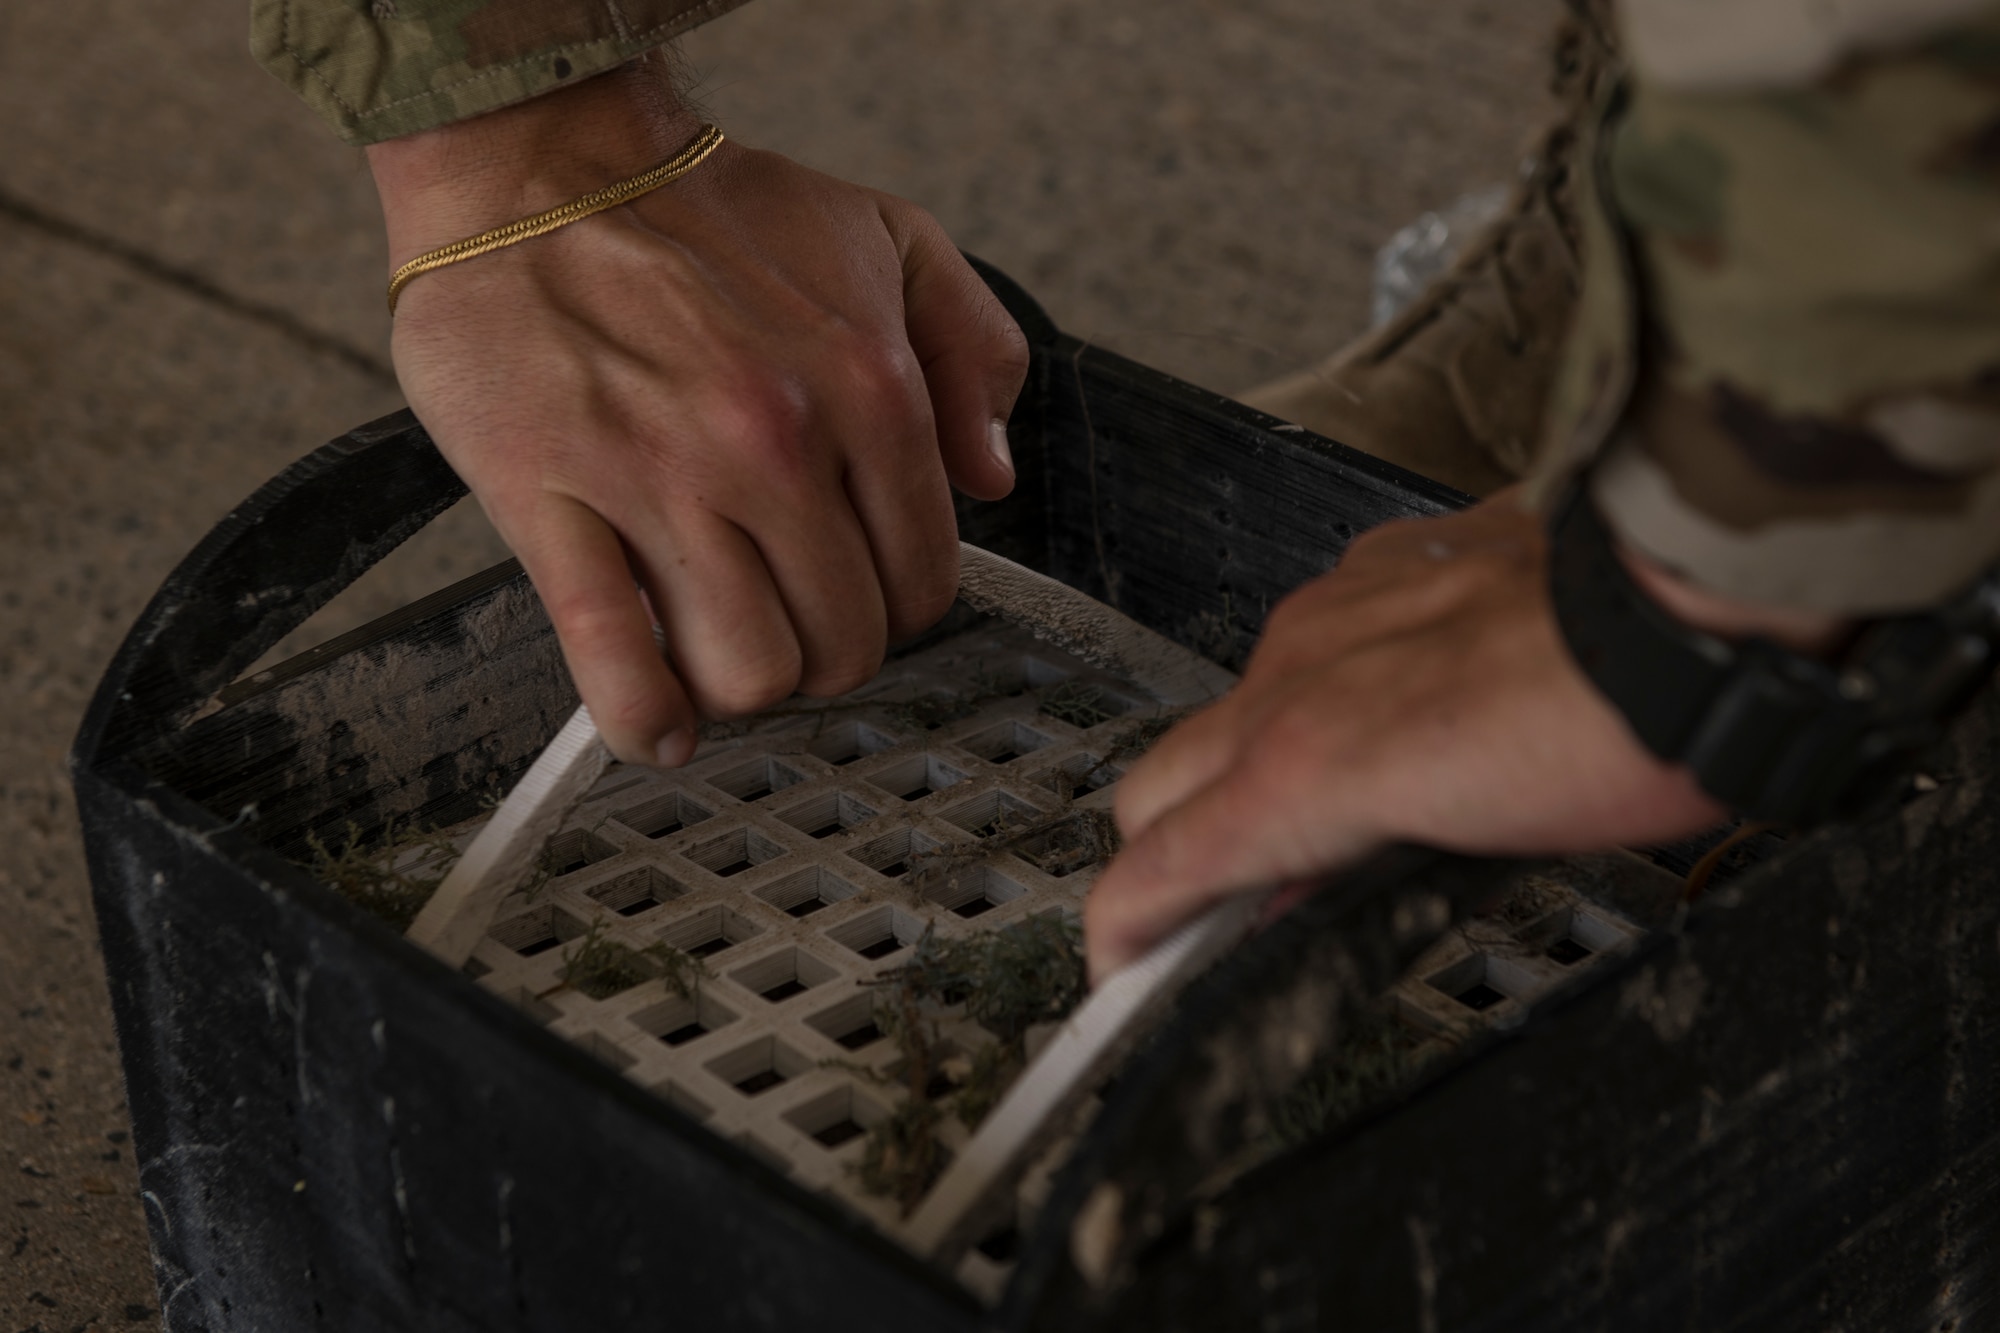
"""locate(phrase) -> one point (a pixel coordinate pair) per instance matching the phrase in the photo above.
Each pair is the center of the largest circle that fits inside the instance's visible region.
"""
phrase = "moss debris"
(902, 1157)
(1140, 736)
(921, 712)
(1060, 844)
(1081, 706)
(1008, 981)
(928, 712)
(1075, 842)
(601, 967)
(391, 882)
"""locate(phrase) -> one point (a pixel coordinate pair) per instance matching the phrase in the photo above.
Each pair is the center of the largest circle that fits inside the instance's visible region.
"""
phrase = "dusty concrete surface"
(190, 296)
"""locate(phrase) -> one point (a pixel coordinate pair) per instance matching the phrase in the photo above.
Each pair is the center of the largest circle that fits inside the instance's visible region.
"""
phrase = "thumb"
(974, 356)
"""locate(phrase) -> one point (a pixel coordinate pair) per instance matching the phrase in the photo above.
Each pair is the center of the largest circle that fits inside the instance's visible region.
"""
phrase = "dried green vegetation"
(1081, 706)
(601, 967)
(1070, 843)
(1007, 981)
(1060, 844)
(922, 712)
(1375, 1055)
(1067, 701)
(1141, 736)
(391, 882)
(902, 1155)
(930, 711)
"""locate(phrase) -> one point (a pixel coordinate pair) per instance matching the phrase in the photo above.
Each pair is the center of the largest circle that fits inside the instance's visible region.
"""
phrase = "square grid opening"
(830, 813)
(663, 815)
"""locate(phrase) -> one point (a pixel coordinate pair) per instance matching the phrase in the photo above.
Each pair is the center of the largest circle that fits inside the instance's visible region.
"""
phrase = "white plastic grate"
(781, 858)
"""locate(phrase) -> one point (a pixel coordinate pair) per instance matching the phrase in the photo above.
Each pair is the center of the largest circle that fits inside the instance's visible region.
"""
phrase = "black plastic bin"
(1780, 1113)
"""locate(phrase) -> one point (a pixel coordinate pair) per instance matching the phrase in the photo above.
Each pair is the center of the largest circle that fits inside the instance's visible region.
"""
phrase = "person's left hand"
(1418, 693)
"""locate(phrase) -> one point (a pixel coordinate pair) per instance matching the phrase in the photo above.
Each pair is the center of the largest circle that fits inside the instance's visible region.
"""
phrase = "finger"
(974, 357)
(1180, 763)
(580, 569)
(896, 484)
(1236, 835)
(728, 632)
(759, 501)
(824, 572)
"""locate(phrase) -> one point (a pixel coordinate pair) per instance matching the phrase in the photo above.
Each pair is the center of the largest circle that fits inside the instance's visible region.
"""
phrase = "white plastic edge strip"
(1081, 1052)
(507, 850)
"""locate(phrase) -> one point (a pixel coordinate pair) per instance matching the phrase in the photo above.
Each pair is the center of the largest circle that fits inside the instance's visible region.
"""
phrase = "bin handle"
(278, 557)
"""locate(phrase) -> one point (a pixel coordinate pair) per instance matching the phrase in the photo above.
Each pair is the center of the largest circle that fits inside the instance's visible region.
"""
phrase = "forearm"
(1780, 383)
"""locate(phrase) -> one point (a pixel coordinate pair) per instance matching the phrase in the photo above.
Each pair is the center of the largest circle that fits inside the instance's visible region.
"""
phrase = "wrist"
(1788, 735)
(444, 184)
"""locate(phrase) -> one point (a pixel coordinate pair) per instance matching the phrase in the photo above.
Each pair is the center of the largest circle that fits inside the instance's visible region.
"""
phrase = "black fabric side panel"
(1783, 1119)
(334, 1132)
(1189, 512)
(278, 557)
(417, 722)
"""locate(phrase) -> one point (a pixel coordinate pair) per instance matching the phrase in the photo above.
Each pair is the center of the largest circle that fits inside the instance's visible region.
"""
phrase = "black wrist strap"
(1773, 734)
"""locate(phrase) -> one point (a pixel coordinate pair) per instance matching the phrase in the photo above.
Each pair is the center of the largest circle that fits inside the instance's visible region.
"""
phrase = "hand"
(1418, 693)
(745, 395)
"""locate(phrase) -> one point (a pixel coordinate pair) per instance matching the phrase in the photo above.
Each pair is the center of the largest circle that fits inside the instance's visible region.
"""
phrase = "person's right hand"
(746, 394)
(1421, 692)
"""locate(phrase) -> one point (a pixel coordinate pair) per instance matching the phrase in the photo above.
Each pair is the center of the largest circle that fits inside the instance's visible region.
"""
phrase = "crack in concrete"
(193, 284)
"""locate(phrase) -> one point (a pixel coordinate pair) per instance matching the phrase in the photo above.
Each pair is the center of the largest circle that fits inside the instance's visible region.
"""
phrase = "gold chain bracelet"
(540, 224)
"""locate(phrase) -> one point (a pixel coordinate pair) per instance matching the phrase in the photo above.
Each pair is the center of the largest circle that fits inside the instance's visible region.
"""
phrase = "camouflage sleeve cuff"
(1793, 395)
(380, 69)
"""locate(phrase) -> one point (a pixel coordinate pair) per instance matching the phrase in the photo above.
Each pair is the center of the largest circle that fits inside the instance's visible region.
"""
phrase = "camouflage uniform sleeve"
(378, 69)
(1784, 378)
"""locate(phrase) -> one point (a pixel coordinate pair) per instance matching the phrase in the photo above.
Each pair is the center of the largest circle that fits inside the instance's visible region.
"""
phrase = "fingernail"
(996, 444)
(675, 748)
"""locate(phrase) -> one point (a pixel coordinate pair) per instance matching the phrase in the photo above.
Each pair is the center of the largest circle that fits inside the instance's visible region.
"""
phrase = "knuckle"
(631, 721)
(838, 675)
(1135, 802)
(1007, 346)
(922, 603)
(912, 219)
(752, 683)
(589, 628)
(764, 414)
(884, 376)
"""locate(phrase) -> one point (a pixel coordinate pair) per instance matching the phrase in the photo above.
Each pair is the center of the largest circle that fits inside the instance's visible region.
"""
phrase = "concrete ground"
(190, 296)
